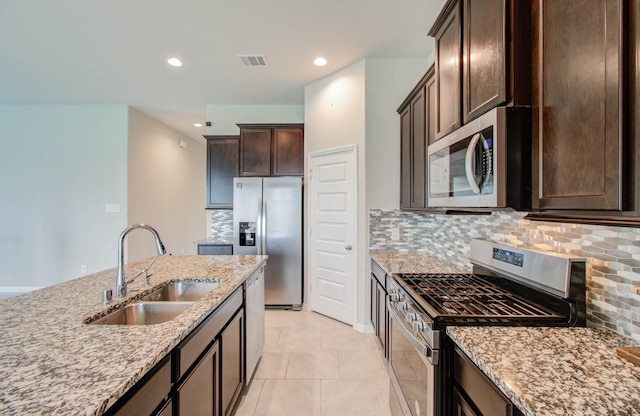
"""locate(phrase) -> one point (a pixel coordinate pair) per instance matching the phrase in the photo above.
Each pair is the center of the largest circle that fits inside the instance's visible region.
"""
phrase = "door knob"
(348, 247)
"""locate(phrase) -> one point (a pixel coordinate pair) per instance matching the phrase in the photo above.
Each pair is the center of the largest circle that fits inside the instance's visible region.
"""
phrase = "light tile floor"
(313, 365)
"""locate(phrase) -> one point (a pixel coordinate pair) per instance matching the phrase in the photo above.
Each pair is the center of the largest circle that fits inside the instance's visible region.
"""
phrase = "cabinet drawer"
(484, 395)
(188, 351)
(152, 390)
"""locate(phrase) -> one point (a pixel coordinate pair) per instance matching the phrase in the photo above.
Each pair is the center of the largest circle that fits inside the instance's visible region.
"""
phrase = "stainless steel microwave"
(484, 164)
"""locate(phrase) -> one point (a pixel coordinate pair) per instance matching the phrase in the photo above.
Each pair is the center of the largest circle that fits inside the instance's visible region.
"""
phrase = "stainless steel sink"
(182, 291)
(144, 313)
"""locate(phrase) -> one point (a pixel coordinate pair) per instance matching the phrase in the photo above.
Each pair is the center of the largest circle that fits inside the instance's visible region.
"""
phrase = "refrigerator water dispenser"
(247, 233)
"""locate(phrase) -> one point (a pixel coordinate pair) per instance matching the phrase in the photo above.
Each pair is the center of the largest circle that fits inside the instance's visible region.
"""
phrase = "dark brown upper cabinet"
(416, 118)
(483, 59)
(448, 40)
(222, 167)
(271, 149)
(578, 105)
(288, 152)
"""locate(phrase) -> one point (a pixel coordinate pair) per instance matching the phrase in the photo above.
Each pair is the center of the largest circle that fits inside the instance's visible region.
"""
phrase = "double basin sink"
(161, 305)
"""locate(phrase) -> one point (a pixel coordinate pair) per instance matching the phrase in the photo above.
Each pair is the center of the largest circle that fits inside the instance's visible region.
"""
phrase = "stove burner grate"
(466, 295)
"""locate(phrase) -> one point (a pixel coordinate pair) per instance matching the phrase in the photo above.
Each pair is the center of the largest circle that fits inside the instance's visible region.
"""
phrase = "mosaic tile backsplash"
(220, 223)
(613, 253)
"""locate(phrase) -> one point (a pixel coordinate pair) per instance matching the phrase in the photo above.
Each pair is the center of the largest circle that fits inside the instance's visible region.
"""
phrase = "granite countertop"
(52, 363)
(396, 262)
(215, 241)
(555, 371)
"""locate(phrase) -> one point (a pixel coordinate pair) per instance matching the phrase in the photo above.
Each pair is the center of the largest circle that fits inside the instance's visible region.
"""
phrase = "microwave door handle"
(468, 160)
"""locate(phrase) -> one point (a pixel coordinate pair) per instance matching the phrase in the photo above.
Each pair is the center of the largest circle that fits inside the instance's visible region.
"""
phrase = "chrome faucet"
(121, 279)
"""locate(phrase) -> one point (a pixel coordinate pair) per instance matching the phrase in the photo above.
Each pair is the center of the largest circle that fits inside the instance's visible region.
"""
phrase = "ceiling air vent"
(252, 60)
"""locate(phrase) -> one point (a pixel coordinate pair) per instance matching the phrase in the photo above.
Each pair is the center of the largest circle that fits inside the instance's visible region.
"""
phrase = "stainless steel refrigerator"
(267, 219)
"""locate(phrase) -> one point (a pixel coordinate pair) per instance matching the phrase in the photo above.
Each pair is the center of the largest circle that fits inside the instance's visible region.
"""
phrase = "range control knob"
(411, 317)
(404, 306)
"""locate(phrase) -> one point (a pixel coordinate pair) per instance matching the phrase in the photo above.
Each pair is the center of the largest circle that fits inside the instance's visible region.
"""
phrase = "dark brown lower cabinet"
(460, 405)
(378, 311)
(167, 409)
(474, 394)
(147, 395)
(198, 395)
(232, 370)
(202, 376)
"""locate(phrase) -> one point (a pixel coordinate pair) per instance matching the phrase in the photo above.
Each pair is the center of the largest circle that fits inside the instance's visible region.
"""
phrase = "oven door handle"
(423, 349)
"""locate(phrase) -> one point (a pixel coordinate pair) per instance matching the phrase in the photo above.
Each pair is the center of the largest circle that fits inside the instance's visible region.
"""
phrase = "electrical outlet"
(83, 268)
(395, 234)
(112, 208)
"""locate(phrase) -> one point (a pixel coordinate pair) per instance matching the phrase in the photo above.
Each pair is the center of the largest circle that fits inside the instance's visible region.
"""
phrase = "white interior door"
(333, 233)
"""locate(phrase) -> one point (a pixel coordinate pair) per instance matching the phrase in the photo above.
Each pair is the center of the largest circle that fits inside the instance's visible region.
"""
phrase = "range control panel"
(507, 256)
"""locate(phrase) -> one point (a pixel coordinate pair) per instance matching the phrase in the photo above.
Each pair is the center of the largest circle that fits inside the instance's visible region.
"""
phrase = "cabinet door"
(405, 159)
(430, 101)
(288, 152)
(448, 54)
(167, 409)
(382, 317)
(373, 310)
(460, 405)
(198, 394)
(255, 152)
(484, 63)
(418, 151)
(222, 167)
(577, 114)
(231, 363)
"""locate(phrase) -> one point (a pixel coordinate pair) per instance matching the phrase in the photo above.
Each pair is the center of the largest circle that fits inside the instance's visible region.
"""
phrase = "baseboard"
(367, 329)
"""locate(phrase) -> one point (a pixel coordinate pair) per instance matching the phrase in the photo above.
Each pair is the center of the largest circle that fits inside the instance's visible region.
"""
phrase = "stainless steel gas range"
(508, 286)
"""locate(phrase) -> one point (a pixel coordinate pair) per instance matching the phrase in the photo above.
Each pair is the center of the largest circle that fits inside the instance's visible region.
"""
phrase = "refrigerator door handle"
(263, 232)
(259, 220)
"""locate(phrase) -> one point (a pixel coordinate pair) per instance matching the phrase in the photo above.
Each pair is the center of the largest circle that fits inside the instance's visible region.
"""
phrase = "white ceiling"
(115, 51)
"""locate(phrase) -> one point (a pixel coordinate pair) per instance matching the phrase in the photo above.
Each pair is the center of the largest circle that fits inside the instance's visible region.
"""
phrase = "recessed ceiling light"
(175, 62)
(197, 124)
(320, 61)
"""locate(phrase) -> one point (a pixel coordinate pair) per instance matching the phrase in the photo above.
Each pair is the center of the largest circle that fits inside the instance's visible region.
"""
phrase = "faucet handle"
(107, 295)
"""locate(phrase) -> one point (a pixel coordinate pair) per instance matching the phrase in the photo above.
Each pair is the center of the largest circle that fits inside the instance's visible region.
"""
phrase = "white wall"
(388, 82)
(59, 166)
(357, 105)
(225, 117)
(166, 187)
(335, 117)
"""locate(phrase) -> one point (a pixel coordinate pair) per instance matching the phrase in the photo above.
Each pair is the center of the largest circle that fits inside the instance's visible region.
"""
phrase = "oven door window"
(464, 168)
(414, 374)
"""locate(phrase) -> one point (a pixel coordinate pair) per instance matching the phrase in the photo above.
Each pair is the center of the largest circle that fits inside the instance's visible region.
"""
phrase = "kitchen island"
(52, 362)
